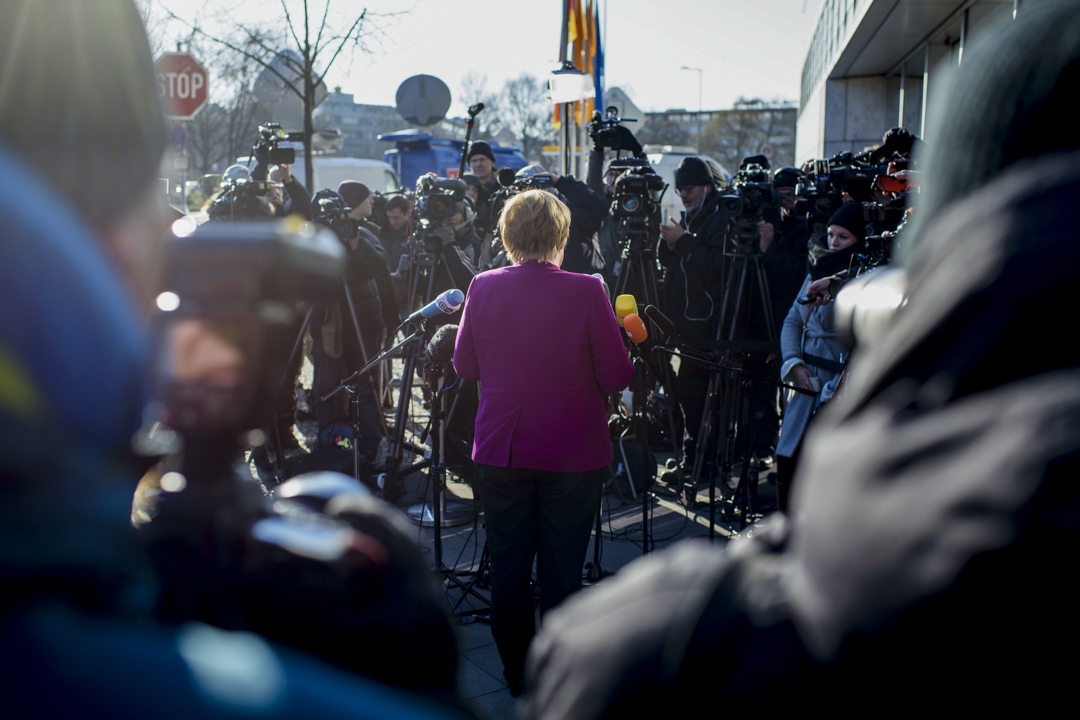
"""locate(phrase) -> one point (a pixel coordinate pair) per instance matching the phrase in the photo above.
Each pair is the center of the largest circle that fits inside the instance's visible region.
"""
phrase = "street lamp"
(701, 74)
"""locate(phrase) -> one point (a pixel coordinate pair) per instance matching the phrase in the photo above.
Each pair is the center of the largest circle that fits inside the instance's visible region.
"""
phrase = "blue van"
(416, 153)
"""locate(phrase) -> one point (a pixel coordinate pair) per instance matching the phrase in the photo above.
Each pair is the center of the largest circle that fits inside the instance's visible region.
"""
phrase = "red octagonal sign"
(181, 82)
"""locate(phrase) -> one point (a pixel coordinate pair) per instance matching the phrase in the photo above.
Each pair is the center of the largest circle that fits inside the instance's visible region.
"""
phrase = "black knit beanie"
(850, 217)
(480, 148)
(693, 171)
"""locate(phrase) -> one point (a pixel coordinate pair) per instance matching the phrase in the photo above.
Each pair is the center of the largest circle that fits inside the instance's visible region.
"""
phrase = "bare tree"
(525, 110)
(747, 128)
(315, 41)
(661, 130)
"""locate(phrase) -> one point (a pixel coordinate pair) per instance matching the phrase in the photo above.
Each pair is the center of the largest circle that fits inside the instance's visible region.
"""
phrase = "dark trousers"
(533, 514)
(329, 371)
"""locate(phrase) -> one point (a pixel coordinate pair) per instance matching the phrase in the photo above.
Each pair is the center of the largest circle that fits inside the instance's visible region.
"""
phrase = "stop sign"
(181, 82)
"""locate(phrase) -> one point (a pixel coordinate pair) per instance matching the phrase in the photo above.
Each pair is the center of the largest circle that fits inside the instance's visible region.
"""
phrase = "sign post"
(182, 85)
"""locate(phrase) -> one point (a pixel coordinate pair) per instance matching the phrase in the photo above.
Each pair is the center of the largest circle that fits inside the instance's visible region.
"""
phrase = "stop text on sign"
(181, 84)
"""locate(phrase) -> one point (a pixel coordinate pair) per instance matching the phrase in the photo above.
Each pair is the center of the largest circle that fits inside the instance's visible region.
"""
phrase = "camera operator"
(394, 237)
(358, 197)
(587, 212)
(692, 250)
(601, 177)
(481, 162)
(336, 350)
(784, 244)
(296, 199)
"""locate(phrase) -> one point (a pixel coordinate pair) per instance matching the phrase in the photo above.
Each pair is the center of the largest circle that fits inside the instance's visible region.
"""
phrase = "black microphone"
(663, 322)
(449, 302)
(506, 176)
(475, 110)
(440, 349)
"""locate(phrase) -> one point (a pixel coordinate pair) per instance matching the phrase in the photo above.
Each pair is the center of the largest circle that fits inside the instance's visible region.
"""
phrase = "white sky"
(750, 48)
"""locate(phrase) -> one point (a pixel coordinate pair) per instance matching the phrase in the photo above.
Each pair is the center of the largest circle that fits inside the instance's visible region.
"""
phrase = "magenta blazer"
(545, 346)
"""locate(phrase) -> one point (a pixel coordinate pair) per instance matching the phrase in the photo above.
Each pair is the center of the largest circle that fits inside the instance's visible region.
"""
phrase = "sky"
(744, 48)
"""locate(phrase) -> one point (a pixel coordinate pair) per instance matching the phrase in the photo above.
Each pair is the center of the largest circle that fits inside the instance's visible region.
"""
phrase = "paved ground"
(480, 674)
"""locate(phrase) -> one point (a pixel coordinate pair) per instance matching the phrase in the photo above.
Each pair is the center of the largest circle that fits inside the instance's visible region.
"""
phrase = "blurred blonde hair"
(534, 226)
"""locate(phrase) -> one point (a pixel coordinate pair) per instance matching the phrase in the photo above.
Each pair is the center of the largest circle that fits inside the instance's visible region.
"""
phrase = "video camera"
(636, 202)
(242, 198)
(607, 131)
(436, 198)
(826, 181)
(270, 137)
(751, 198)
(231, 315)
(330, 210)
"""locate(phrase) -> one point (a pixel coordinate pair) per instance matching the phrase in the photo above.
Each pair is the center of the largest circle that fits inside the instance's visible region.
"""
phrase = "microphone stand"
(474, 110)
(351, 386)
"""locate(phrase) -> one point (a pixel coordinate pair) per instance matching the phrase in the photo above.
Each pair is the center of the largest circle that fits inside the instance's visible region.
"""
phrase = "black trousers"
(533, 514)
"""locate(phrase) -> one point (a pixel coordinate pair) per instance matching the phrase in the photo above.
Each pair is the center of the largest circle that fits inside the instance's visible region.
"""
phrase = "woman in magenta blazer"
(545, 346)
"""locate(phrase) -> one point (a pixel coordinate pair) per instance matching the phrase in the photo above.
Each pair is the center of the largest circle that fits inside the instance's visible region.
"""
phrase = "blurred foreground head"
(81, 136)
(78, 102)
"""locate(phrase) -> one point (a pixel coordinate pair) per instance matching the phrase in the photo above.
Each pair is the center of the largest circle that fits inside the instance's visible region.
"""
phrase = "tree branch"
(252, 37)
(289, 24)
(344, 40)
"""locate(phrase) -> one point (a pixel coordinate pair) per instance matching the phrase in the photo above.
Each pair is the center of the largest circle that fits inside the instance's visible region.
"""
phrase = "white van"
(332, 171)
(665, 160)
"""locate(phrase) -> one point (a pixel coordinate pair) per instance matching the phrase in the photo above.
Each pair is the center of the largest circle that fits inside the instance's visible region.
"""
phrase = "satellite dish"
(423, 100)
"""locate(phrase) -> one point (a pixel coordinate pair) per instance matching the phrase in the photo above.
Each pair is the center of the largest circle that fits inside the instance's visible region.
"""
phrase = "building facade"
(874, 65)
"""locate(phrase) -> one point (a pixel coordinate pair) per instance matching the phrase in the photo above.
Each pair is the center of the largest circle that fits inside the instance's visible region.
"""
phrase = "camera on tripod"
(752, 198)
(636, 202)
(436, 198)
(270, 137)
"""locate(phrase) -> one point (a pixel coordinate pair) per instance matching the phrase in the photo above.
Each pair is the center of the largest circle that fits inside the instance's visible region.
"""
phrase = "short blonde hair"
(534, 225)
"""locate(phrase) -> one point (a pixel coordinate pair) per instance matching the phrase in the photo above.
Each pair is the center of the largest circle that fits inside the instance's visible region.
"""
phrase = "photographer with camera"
(608, 133)
(587, 212)
(336, 350)
(692, 250)
(296, 199)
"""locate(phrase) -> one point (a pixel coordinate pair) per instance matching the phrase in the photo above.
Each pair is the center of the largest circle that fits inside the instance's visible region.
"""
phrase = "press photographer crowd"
(188, 528)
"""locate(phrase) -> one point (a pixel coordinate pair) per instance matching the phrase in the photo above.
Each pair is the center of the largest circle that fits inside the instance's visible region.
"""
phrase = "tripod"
(743, 269)
(426, 266)
(639, 270)
(440, 513)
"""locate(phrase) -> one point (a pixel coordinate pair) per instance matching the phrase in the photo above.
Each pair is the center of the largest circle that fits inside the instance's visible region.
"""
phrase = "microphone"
(449, 302)
(475, 110)
(440, 349)
(663, 322)
(625, 305)
(635, 328)
(506, 176)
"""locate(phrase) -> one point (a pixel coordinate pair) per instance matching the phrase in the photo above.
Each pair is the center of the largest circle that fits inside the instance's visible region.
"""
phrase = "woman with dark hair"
(812, 355)
(545, 346)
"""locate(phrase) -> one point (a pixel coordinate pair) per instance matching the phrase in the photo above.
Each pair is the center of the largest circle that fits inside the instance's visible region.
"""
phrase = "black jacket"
(587, 213)
(938, 508)
(695, 268)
